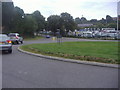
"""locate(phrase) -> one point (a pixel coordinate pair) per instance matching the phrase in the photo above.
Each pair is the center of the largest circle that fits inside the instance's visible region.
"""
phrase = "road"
(20, 70)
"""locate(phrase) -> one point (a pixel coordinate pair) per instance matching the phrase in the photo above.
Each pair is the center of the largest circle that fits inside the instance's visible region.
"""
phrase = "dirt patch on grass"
(71, 56)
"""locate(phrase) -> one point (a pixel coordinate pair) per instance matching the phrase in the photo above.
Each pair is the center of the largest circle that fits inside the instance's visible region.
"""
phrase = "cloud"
(89, 8)
(5, 0)
(118, 8)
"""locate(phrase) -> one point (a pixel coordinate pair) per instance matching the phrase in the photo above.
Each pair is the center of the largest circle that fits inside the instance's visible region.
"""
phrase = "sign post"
(59, 37)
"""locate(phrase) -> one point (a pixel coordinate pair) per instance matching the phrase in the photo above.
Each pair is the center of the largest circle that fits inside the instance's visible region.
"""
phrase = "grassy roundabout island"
(105, 52)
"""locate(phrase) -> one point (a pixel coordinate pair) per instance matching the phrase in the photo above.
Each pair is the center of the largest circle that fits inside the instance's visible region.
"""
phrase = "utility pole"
(0, 55)
(117, 17)
(0, 17)
(118, 13)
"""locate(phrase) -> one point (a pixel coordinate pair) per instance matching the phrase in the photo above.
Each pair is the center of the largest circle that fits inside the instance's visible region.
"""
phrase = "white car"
(15, 38)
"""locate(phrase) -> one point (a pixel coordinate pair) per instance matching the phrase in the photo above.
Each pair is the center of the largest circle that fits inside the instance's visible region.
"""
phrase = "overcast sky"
(91, 9)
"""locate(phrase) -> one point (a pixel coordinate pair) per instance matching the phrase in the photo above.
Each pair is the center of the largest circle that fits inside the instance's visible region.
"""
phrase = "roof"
(3, 35)
(13, 33)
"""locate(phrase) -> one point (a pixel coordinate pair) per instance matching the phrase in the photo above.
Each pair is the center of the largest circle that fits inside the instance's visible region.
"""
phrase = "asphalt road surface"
(20, 70)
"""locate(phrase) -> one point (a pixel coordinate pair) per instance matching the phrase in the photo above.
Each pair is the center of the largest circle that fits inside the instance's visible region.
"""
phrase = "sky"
(90, 9)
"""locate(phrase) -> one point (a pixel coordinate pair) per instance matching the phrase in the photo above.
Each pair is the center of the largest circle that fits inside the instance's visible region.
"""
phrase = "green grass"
(105, 52)
(35, 38)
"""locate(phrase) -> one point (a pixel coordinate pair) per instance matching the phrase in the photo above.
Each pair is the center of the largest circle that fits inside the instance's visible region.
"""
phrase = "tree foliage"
(15, 20)
(7, 15)
(93, 21)
(103, 21)
(83, 20)
(30, 25)
(54, 23)
(77, 20)
(109, 19)
(68, 22)
(40, 20)
(17, 23)
(64, 22)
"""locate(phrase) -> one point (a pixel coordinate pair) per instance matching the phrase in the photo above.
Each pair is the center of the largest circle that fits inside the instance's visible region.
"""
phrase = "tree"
(109, 19)
(94, 21)
(7, 15)
(83, 20)
(77, 20)
(54, 23)
(112, 25)
(68, 22)
(18, 12)
(103, 21)
(30, 26)
(100, 25)
(25, 24)
(40, 21)
(18, 20)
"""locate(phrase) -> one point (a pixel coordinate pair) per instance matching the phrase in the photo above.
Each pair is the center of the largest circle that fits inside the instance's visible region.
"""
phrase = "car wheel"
(9, 51)
(17, 42)
(21, 42)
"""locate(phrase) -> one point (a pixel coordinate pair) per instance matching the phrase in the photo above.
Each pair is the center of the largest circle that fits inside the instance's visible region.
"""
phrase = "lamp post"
(117, 17)
(118, 13)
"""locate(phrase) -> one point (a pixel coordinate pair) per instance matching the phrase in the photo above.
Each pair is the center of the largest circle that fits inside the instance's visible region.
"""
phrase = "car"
(5, 43)
(47, 36)
(15, 38)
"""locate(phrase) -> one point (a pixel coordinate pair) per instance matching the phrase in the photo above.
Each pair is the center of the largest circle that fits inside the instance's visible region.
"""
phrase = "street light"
(23, 17)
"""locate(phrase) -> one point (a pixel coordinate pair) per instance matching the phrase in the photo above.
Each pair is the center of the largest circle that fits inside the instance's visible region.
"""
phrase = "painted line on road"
(71, 60)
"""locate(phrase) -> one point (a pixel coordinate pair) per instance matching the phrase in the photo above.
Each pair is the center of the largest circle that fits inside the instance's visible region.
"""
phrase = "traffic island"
(56, 54)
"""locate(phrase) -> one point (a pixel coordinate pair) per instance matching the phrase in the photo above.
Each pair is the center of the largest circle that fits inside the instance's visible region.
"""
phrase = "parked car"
(117, 36)
(15, 38)
(47, 36)
(5, 43)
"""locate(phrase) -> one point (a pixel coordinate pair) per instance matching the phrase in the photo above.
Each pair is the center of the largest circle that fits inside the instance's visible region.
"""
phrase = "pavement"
(20, 70)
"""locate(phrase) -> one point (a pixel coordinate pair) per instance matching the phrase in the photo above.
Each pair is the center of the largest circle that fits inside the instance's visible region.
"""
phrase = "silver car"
(5, 43)
(15, 38)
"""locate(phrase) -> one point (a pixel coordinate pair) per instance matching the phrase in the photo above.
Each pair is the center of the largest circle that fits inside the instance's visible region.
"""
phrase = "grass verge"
(104, 52)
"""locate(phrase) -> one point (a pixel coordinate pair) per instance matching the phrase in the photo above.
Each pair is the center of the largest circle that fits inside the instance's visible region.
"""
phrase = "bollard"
(53, 38)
